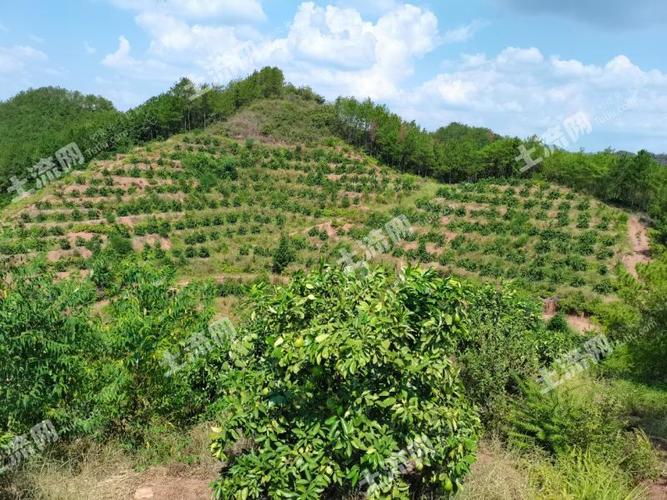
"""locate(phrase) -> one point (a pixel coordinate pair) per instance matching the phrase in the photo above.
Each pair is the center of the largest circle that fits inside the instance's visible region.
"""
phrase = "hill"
(288, 175)
(36, 123)
(301, 279)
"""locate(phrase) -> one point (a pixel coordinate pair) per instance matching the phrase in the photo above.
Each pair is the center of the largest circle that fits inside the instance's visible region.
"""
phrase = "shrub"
(120, 244)
(505, 338)
(347, 372)
(43, 351)
(558, 323)
(283, 255)
(578, 418)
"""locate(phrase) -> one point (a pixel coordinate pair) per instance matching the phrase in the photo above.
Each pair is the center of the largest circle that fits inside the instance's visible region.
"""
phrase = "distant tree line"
(451, 154)
(459, 153)
(36, 123)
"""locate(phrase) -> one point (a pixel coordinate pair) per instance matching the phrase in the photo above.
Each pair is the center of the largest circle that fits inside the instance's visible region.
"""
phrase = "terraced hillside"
(272, 191)
(216, 204)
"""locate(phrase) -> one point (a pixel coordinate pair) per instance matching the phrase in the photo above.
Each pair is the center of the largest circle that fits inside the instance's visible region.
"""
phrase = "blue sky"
(521, 67)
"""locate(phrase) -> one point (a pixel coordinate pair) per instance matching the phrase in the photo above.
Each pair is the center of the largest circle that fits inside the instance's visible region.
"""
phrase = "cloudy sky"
(518, 66)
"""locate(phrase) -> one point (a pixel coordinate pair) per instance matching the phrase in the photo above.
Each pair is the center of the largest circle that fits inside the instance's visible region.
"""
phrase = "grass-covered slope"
(216, 202)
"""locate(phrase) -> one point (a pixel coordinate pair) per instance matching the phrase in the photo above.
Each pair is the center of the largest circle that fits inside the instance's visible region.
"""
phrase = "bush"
(505, 339)
(120, 244)
(347, 372)
(44, 352)
(558, 323)
(581, 420)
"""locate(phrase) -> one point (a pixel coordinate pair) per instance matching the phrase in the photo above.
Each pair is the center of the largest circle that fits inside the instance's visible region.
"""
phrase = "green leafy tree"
(347, 371)
(46, 344)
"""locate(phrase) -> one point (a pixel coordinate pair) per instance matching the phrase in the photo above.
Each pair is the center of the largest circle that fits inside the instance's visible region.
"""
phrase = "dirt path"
(159, 483)
(640, 246)
(657, 490)
(582, 324)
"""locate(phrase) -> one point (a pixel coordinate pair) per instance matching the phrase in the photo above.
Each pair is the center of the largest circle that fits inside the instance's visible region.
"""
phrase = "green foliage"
(283, 255)
(36, 123)
(208, 169)
(60, 363)
(459, 133)
(147, 320)
(46, 341)
(635, 181)
(120, 244)
(558, 323)
(580, 419)
(386, 135)
(584, 475)
(335, 374)
(293, 120)
(93, 123)
(505, 339)
(347, 371)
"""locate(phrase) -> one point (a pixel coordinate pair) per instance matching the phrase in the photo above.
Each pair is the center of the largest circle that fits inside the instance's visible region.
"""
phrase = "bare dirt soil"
(158, 483)
(640, 246)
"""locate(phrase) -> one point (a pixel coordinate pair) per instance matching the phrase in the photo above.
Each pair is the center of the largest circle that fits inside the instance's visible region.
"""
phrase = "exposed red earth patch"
(640, 246)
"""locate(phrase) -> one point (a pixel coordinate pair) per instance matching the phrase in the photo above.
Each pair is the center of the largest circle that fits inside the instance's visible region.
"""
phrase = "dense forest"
(347, 304)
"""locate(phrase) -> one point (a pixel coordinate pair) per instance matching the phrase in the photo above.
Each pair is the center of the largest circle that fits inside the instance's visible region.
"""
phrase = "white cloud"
(121, 58)
(3, 28)
(370, 7)
(514, 55)
(331, 48)
(387, 49)
(521, 92)
(340, 49)
(332, 35)
(462, 33)
(150, 69)
(15, 59)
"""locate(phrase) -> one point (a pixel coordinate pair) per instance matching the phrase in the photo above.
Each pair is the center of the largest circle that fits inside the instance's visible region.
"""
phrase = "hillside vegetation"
(214, 206)
(386, 291)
